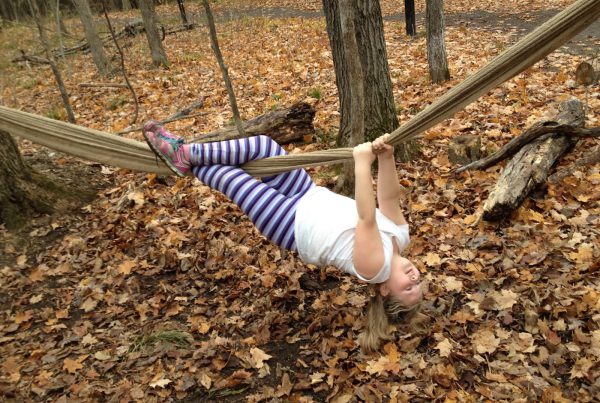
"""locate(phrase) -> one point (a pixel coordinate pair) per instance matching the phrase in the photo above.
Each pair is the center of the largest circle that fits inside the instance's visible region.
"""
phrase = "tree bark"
(436, 45)
(159, 57)
(356, 78)
(380, 110)
(91, 35)
(409, 16)
(530, 167)
(18, 198)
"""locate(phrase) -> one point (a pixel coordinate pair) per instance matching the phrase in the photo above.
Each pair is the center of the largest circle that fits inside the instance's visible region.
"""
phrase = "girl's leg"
(240, 151)
(270, 211)
(271, 204)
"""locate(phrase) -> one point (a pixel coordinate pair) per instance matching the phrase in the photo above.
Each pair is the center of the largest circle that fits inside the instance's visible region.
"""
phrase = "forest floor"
(159, 289)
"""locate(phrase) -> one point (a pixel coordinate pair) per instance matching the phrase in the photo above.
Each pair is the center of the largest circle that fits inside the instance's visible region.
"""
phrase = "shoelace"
(175, 143)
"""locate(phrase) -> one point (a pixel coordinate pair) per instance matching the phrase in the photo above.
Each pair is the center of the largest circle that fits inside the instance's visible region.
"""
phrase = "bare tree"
(159, 57)
(57, 75)
(215, 46)
(436, 46)
(91, 34)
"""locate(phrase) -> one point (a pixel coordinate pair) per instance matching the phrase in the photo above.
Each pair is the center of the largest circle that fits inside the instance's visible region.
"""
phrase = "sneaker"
(167, 147)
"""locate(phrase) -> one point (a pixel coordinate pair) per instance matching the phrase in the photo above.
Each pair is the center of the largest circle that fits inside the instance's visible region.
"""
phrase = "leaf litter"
(162, 290)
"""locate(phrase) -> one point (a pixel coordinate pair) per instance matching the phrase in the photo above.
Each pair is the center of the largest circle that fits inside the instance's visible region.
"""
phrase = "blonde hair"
(381, 312)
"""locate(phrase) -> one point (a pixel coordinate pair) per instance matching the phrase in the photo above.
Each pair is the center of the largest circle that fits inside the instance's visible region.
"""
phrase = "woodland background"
(149, 288)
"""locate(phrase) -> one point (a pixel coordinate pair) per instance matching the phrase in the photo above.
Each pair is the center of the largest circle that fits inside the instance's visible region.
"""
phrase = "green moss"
(117, 101)
(176, 337)
(56, 112)
(315, 93)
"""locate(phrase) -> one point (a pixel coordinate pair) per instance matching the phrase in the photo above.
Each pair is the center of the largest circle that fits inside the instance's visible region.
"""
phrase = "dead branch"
(107, 85)
(168, 120)
(185, 112)
(536, 131)
(591, 157)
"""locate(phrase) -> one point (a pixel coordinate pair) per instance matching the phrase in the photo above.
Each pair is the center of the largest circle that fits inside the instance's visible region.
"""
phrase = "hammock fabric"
(117, 151)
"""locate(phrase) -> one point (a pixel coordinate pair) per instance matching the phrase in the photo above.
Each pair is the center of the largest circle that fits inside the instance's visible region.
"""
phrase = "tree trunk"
(436, 46)
(530, 167)
(356, 78)
(380, 110)
(91, 34)
(182, 13)
(409, 16)
(55, 70)
(18, 198)
(380, 113)
(159, 57)
(7, 11)
(126, 5)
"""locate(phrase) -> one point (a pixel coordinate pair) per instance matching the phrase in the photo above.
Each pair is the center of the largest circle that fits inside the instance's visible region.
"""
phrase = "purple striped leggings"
(270, 203)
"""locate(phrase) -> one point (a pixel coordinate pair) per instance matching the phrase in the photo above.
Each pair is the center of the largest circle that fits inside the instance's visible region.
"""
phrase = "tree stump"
(464, 149)
(530, 167)
(20, 195)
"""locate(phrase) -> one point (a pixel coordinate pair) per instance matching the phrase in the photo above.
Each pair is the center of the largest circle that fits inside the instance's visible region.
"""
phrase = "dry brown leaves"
(162, 289)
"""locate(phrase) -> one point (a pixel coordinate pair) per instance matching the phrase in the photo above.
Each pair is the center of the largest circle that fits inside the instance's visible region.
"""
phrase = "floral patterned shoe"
(167, 147)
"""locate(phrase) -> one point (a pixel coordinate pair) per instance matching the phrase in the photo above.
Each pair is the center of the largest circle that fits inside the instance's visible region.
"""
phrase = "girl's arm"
(367, 255)
(389, 190)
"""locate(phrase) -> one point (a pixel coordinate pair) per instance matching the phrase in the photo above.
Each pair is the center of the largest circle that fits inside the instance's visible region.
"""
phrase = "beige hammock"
(121, 152)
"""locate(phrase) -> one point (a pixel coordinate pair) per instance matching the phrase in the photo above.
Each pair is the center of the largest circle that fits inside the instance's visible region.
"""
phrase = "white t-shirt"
(324, 229)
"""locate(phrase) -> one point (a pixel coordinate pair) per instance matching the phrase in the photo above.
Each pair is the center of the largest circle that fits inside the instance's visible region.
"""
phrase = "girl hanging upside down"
(323, 227)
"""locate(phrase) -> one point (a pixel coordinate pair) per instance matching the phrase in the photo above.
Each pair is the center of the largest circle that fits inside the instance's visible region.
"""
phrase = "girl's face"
(404, 282)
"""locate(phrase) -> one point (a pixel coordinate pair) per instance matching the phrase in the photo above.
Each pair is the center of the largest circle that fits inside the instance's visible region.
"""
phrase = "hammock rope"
(117, 151)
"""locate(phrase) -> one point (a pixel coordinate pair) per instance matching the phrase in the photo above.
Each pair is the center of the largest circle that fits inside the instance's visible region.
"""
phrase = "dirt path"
(520, 24)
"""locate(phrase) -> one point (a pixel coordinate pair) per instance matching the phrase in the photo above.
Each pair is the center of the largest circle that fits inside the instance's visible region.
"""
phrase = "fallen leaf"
(258, 357)
(125, 267)
(161, 383)
(72, 366)
(22, 261)
(485, 341)
(445, 347)
(89, 305)
(433, 259)
(102, 356)
(22, 317)
(453, 284)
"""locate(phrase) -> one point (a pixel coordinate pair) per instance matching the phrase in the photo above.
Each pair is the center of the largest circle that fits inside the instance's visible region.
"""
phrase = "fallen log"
(282, 125)
(530, 166)
(591, 157)
(538, 130)
(30, 58)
